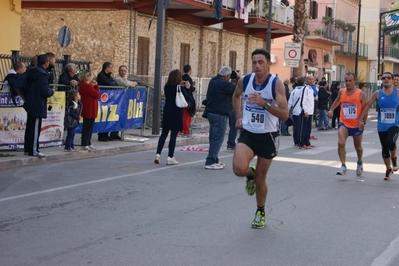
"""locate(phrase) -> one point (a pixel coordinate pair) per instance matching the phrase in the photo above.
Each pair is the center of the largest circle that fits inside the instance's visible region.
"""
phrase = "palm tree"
(299, 31)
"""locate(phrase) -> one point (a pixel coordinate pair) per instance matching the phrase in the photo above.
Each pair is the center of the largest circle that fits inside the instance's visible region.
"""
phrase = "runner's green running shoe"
(250, 187)
(260, 220)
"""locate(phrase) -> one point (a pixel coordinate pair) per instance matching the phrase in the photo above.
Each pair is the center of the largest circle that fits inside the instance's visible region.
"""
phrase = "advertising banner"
(13, 122)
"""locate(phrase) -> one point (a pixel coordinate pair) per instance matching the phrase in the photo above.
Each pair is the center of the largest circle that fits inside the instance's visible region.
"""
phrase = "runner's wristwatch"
(266, 107)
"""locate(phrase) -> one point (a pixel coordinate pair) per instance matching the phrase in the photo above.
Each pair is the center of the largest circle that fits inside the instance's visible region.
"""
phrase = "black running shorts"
(264, 145)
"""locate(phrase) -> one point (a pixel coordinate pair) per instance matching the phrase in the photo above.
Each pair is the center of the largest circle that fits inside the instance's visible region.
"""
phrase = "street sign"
(292, 63)
(292, 51)
(64, 37)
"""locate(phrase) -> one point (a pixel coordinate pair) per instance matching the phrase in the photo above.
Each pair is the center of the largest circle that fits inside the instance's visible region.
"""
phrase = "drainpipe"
(130, 63)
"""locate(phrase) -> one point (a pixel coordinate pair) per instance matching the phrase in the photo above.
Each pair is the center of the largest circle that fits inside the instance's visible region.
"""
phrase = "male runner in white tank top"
(264, 99)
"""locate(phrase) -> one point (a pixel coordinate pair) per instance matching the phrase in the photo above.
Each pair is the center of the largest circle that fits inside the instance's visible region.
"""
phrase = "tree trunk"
(299, 32)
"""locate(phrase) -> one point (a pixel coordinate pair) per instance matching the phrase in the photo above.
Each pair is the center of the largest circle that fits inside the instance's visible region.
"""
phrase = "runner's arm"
(237, 102)
(366, 107)
(281, 110)
(335, 104)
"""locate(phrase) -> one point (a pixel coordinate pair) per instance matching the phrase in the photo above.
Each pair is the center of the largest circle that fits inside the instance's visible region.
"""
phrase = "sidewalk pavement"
(134, 140)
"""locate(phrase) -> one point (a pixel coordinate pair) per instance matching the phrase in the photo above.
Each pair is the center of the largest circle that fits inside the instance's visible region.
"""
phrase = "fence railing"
(6, 63)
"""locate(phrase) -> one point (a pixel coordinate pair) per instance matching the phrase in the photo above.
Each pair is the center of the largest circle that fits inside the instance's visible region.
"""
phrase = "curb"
(61, 156)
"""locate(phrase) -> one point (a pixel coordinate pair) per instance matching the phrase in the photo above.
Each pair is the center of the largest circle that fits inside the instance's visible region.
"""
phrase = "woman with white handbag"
(172, 115)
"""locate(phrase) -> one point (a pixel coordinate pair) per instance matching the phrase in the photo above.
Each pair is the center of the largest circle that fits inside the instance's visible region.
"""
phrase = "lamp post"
(381, 40)
(357, 37)
(269, 27)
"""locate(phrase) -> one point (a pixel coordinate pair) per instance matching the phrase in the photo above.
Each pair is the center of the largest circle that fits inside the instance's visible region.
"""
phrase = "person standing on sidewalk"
(188, 112)
(172, 118)
(263, 96)
(71, 120)
(335, 87)
(35, 104)
(104, 78)
(219, 106)
(322, 105)
(388, 121)
(89, 94)
(352, 102)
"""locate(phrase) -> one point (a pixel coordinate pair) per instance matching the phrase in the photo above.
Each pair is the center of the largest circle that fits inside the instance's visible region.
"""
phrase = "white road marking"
(372, 168)
(366, 152)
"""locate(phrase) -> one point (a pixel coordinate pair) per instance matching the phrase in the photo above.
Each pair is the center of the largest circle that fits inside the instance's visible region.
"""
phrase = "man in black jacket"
(69, 77)
(322, 105)
(35, 104)
(51, 67)
(219, 106)
(104, 78)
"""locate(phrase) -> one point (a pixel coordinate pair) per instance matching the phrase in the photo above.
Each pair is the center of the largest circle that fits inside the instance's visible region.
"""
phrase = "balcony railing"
(259, 8)
(350, 48)
(391, 51)
(328, 31)
(280, 13)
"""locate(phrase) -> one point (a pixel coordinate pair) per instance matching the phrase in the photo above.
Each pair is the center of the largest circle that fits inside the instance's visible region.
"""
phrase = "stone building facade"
(112, 35)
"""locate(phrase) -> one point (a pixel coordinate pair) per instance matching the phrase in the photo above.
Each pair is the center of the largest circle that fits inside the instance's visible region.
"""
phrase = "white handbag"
(180, 100)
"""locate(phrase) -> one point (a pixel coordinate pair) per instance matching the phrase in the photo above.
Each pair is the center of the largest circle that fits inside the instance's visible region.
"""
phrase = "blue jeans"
(69, 139)
(283, 127)
(217, 129)
(231, 142)
(323, 119)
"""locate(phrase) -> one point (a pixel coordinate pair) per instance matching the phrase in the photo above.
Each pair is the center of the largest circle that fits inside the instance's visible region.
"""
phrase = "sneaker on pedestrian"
(215, 166)
(87, 148)
(171, 161)
(342, 170)
(73, 150)
(250, 186)
(157, 158)
(260, 220)
(39, 154)
(67, 150)
(395, 164)
(388, 174)
(92, 147)
(222, 164)
(321, 128)
(359, 169)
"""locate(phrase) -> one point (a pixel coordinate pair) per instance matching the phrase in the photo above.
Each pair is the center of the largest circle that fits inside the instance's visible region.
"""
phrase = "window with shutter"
(143, 56)
(184, 55)
(232, 59)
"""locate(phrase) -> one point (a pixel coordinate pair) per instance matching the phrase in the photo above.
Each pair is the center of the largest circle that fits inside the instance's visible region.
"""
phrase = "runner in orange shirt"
(352, 102)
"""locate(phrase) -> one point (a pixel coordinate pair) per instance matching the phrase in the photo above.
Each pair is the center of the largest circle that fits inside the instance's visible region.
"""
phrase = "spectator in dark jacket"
(283, 126)
(219, 105)
(104, 78)
(172, 119)
(322, 105)
(190, 110)
(69, 77)
(51, 67)
(335, 87)
(35, 104)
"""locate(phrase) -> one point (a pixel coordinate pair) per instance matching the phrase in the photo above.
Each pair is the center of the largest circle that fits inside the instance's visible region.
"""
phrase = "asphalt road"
(125, 210)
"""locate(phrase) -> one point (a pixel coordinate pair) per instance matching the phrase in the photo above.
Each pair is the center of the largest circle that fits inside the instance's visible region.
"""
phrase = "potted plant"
(318, 32)
(328, 20)
(350, 27)
(340, 23)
